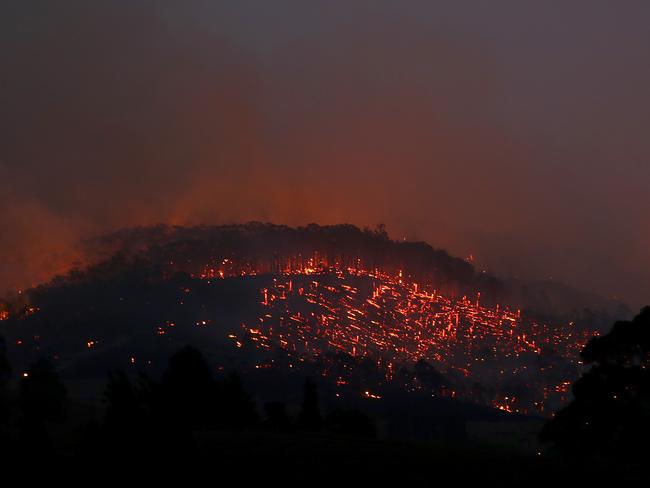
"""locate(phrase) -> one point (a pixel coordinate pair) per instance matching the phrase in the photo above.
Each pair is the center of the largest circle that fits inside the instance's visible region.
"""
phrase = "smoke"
(110, 120)
(480, 132)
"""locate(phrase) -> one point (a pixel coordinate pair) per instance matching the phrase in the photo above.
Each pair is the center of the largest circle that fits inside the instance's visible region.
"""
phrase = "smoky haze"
(511, 131)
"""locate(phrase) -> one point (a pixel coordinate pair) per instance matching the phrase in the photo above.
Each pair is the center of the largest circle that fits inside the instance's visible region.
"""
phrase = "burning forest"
(338, 300)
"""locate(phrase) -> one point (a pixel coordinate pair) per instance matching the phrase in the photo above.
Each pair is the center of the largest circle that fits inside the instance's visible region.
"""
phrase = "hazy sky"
(516, 131)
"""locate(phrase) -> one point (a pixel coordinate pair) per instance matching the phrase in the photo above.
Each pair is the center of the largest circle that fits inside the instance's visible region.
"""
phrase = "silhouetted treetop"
(310, 416)
(188, 393)
(351, 423)
(610, 413)
(123, 408)
(43, 397)
(628, 343)
(188, 368)
(5, 374)
(5, 366)
(236, 407)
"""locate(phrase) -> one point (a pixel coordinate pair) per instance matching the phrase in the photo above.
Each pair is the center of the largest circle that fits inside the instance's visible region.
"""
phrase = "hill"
(363, 312)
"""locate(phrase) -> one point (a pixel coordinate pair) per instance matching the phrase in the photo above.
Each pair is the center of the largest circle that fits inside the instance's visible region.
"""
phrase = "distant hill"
(266, 245)
(269, 247)
(369, 313)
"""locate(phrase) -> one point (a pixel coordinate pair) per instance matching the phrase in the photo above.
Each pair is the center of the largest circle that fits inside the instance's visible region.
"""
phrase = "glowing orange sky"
(516, 133)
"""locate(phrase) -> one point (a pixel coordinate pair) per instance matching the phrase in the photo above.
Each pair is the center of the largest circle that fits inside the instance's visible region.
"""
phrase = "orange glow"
(387, 319)
(374, 396)
(402, 322)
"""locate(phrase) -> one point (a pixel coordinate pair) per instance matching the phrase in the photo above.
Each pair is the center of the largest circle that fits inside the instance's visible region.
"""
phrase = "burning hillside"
(362, 311)
(495, 355)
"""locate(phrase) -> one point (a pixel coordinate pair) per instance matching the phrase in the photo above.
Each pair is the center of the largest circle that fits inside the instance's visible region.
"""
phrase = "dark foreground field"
(313, 459)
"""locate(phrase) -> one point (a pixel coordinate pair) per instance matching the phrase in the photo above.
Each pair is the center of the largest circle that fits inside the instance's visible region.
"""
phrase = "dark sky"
(516, 131)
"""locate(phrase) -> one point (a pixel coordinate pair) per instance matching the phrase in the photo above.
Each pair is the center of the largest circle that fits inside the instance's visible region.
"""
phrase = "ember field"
(362, 331)
(494, 356)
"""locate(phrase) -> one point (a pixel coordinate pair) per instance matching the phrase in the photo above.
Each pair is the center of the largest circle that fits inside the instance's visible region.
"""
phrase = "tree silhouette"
(187, 399)
(353, 423)
(123, 410)
(43, 400)
(276, 416)
(42, 395)
(238, 408)
(130, 427)
(188, 394)
(610, 413)
(5, 367)
(310, 417)
(5, 374)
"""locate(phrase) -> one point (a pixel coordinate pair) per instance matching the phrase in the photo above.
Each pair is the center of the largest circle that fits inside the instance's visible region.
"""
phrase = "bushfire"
(493, 355)
(364, 329)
